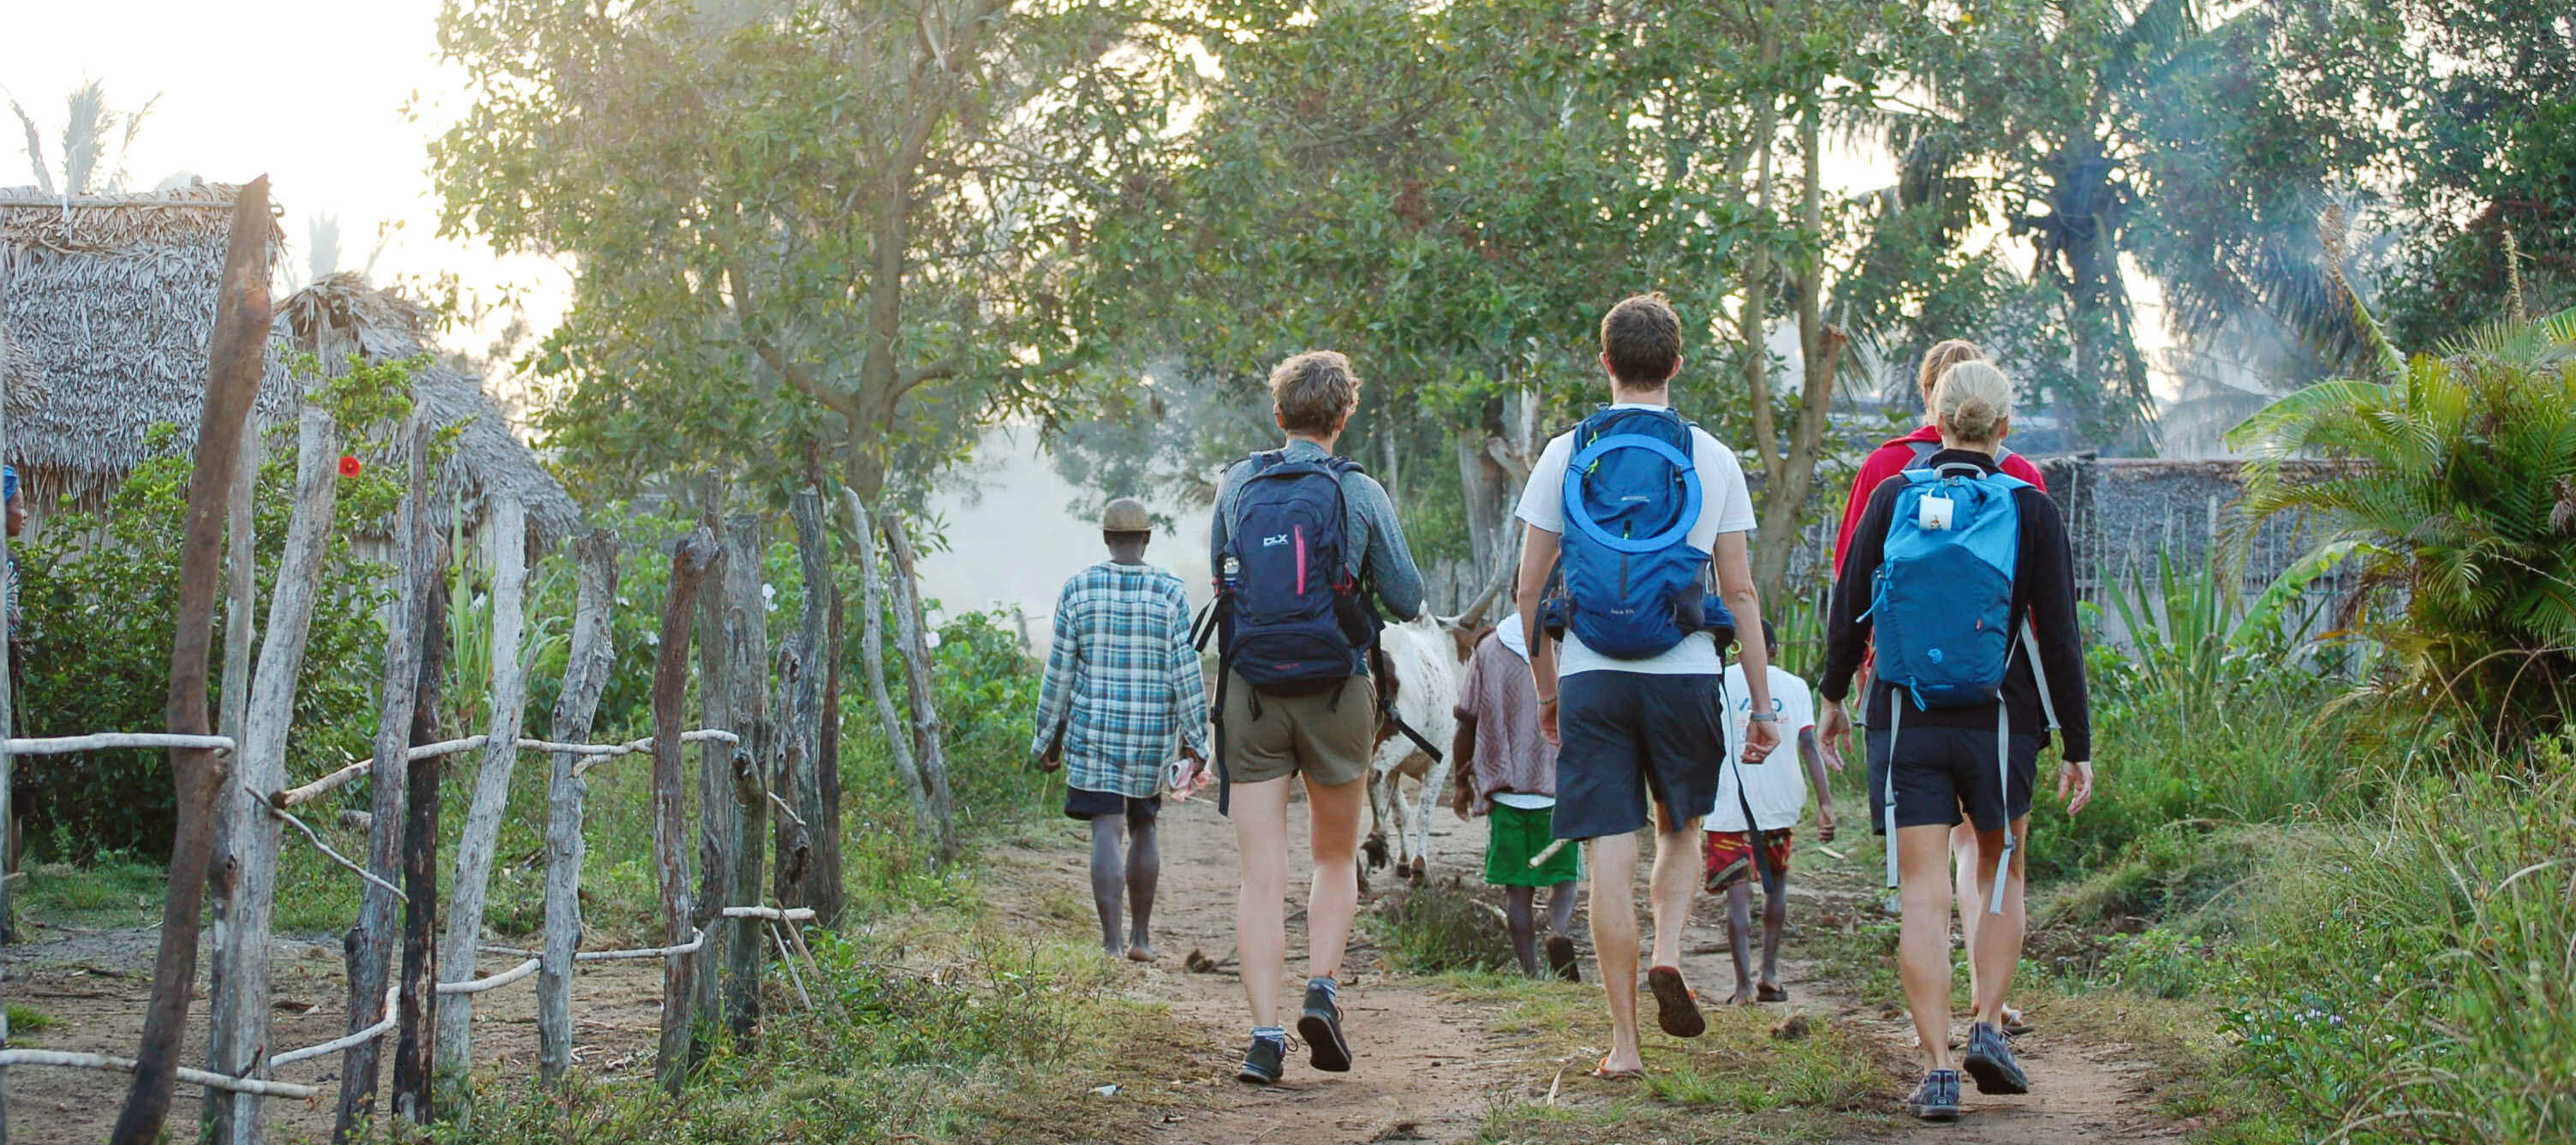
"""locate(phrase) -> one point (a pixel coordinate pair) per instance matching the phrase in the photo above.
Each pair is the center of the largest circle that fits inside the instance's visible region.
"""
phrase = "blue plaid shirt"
(1122, 682)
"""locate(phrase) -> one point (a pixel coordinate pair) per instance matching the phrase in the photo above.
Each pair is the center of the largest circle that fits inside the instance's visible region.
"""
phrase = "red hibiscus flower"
(350, 466)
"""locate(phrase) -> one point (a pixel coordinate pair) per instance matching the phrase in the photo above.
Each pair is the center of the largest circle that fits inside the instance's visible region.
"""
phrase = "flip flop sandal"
(1605, 1073)
(1676, 1005)
(2016, 1024)
(1771, 993)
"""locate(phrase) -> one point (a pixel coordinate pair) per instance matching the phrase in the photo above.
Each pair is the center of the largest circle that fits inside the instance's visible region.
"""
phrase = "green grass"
(117, 890)
(25, 1019)
(1442, 926)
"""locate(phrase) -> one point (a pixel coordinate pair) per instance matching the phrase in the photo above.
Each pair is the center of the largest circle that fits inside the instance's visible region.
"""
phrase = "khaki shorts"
(1329, 741)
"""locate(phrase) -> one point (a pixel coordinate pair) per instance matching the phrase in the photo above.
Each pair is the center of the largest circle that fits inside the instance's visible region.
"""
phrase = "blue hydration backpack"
(1291, 612)
(1634, 585)
(1941, 609)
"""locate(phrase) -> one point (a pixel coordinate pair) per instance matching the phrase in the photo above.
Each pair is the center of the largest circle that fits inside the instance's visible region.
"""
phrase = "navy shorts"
(1941, 771)
(1630, 736)
(1081, 804)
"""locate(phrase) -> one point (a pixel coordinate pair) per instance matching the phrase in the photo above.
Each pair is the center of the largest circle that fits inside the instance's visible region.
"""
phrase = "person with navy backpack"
(1961, 578)
(1308, 557)
(1626, 515)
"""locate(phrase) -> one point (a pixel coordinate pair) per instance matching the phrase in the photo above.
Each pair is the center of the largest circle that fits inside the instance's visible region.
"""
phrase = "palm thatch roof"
(340, 315)
(21, 379)
(112, 301)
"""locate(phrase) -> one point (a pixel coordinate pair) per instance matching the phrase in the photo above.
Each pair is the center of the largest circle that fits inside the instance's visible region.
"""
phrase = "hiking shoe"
(1321, 1027)
(1990, 1061)
(1561, 958)
(1937, 1099)
(1676, 1008)
(1261, 1063)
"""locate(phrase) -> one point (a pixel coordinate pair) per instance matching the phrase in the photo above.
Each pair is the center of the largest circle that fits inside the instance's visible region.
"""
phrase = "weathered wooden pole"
(929, 752)
(369, 945)
(717, 843)
(828, 865)
(872, 661)
(412, 1052)
(245, 875)
(8, 727)
(801, 758)
(746, 657)
(586, 667)
(505, 536)
(237, 357)
(690, 564)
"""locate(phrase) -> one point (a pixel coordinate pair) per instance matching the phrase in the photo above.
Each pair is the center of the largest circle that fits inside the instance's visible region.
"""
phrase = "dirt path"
(92, 985)
(1428, 1069)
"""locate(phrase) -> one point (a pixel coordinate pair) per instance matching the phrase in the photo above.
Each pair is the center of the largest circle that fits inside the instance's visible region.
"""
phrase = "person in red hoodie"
(1896, 456)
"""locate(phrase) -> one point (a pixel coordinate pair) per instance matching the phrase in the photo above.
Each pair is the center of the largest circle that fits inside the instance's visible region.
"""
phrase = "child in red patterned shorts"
(1777, 796)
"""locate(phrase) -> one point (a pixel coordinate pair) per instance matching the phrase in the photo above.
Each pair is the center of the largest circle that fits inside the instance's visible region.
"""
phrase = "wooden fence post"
(246, 874)
(8, 727)
(929, 753)
(369, 945)
(802, 761)
(505, 536)
(872, 657)
(828, 864)
(586, 669)
(416, 1041)
(689, 565)
(746, 782)
(237, 358)
(715, 796)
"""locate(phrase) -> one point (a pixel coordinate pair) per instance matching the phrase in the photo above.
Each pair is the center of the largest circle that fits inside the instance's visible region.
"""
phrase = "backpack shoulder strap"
(1922, 451)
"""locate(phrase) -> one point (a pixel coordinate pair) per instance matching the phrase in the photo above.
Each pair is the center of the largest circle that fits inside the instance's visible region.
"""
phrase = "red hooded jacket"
(1891, 459)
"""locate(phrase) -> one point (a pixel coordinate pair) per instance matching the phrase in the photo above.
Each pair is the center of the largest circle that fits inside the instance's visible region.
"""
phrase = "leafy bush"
(99, 592)
(2456, 496)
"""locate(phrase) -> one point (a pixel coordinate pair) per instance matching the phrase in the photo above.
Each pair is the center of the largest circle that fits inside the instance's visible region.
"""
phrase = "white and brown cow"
(1421, 664)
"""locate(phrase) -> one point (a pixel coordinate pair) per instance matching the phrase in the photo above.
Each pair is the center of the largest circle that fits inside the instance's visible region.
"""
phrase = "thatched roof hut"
(112, 301)
(20, 377)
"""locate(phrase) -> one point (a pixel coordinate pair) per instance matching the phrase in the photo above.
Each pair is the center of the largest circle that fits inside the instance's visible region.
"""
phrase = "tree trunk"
(918, 673)
(586, 668)
(369, 946)
(810, 881)
(505, 535)
(827, 877)
(246, 873)
(8, 727)
(1784, 498)
(237, 357)
(689, 565)
(925, 817)
(1752, 321)
(745, 805)
(715, 797)
(417, 1039)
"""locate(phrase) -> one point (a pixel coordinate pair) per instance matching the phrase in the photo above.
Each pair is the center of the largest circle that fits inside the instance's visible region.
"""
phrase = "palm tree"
(94, 142)
(2455, 498)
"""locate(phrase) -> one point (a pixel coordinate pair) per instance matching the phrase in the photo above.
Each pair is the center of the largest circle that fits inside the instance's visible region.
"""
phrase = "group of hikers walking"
(1604, 705)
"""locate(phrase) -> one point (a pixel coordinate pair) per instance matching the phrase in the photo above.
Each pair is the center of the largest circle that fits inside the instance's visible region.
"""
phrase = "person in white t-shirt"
(1777, 796)
(1642, 730)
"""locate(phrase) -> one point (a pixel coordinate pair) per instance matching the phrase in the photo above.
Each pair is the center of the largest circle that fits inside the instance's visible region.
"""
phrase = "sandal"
(1676, 1005)
(1605, 1073)
(1767, 992)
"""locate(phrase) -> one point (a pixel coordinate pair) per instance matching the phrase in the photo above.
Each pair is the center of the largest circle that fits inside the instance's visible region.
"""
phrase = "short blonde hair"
(1943, 355)
(1314, 391)
(1973, 401)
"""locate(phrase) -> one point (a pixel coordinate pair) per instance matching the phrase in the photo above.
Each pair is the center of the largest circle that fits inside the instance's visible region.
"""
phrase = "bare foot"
(1141, 952)
(1740, 998)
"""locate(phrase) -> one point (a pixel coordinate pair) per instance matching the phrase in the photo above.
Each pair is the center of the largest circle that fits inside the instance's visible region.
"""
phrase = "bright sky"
(310, 92)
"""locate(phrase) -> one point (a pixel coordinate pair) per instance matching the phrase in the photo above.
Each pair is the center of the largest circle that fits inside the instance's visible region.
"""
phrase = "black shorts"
(1630, 735)
(1941, 770)
(1081, 804)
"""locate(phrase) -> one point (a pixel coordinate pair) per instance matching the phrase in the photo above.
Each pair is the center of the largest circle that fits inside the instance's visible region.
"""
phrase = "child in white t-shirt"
(1777, 795)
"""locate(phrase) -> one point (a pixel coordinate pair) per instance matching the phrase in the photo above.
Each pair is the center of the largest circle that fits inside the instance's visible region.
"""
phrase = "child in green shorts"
(1507, 772)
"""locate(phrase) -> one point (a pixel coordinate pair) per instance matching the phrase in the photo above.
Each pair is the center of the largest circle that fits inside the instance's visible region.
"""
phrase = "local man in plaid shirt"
(1123, 695)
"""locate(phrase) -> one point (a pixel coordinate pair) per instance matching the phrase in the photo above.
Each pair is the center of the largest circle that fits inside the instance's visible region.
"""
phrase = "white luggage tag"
(1933, 513)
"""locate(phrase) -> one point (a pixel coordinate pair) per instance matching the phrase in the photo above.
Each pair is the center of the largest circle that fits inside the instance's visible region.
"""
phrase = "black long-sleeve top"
(2043, 591)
